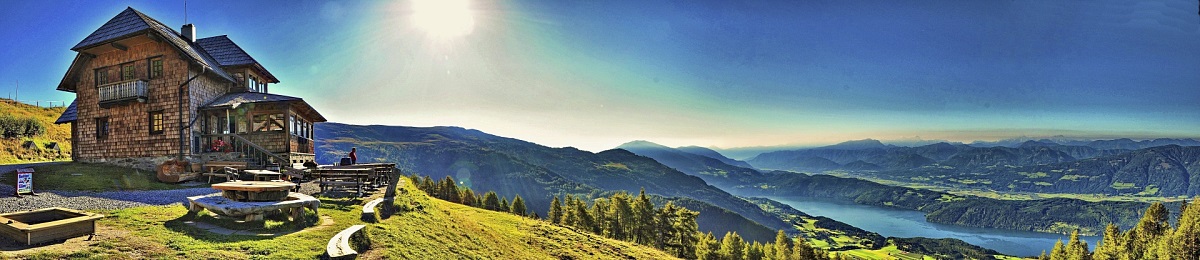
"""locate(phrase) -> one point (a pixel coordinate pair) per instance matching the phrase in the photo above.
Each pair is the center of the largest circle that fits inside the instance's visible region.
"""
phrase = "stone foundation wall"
(152, 163)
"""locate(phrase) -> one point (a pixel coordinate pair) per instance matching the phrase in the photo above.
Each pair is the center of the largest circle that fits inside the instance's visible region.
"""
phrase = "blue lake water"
(892, 222)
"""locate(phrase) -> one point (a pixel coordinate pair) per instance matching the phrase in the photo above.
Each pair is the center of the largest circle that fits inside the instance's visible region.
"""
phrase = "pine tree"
(664, 227)
(688, 231)
(732, 246)
(491, 201)
(518, 206)
(1077, 249)
(427, 185)
(754, 251)
(1043, 256)
(783, 246)
(1185, 240)
(803, 251)
(1110, 244)
(707, 246)
(622, 217)
(468, 198)
(643, 210)
(556, 211)
(504, 205)
(1150, 229)
(769, 251)
(583, 219)
(1058, 252)
(450, 190)
(599, 216)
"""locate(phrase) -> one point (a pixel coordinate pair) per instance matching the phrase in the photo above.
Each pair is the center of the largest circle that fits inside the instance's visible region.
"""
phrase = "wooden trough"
(46, 225)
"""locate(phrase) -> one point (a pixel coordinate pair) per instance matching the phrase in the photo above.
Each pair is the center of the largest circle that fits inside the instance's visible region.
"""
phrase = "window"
(156, 67)
(101, 127)
(252, 84)
(268, 122)
(101, 76)
(127, 72)
(295, 127)
(156, 122)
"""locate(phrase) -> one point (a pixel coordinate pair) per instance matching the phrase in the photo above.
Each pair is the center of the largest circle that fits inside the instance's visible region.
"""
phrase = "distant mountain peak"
(641, 144)
(859, 145)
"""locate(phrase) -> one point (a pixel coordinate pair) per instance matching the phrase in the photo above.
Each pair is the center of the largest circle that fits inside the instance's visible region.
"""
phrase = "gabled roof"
(228, 54)
(237, 99)
(132, 22)
(68, 115)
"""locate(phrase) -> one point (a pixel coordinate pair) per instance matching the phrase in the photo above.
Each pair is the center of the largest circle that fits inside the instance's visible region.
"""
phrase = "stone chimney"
(188, 32)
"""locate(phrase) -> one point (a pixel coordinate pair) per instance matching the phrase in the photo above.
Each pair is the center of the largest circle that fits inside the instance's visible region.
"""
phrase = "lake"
(892, 222)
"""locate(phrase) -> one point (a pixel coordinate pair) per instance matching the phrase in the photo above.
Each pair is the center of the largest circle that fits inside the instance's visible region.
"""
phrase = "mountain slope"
(710, 153)
(11, 150)
(510, 167)
(710, 169)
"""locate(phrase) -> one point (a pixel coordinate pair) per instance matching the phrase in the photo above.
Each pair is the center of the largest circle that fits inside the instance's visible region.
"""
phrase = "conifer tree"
(427, 185)
(732, 246)
(621, 223)
(707, 247)
(769, 251)
(1059, 252)
(1043, 256)
(783, 246)
(491, 201)
(504, 205)
(689, 231)
(643, 210)
(664, 226)
(518, 206)
(1185, 240)
(1109, 245)
(803, 251)
(1077, 249)
(556, 211)
(468, 198)
(599, 217)
(755, 251)
(450, 190)
(1149, 229)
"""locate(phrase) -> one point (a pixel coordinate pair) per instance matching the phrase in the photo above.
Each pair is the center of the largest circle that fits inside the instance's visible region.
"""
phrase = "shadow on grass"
(209, 228)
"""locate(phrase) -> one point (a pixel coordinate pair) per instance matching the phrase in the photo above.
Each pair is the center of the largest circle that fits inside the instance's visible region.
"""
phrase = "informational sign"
(24, 181)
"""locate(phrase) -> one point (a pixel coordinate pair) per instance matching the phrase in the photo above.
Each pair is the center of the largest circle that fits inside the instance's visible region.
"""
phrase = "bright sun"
(444, 18)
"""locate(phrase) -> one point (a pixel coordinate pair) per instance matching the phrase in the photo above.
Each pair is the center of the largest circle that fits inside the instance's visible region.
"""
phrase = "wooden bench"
(368, 210)
(224, 167)
(339, 246)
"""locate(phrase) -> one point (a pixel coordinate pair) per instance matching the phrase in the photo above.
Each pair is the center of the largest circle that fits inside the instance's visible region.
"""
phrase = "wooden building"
(146, 94)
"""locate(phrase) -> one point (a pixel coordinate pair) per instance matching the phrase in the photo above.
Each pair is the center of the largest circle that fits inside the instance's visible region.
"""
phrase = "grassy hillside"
(437, 230)
(10, 148)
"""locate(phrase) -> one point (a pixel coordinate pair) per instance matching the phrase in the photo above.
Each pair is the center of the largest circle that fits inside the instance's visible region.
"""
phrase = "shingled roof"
(132, 22)
(227, 53)
(232, 99)
(69, 115)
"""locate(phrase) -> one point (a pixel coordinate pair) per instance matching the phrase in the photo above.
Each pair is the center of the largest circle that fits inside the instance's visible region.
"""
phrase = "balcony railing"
(122, 91)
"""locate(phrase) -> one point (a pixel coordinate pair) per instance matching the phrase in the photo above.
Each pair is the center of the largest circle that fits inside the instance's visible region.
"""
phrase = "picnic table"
(381, 175)
(264, 175)
(355, 178)
(218, 169)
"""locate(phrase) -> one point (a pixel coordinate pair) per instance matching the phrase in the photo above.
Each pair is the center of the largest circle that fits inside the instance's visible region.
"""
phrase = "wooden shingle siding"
(128, 134)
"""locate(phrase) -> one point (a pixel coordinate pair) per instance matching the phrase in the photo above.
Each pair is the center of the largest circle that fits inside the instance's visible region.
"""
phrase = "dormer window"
(252, 84)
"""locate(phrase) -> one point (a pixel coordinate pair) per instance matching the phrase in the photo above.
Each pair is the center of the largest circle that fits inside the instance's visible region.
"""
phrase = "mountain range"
(512, 167)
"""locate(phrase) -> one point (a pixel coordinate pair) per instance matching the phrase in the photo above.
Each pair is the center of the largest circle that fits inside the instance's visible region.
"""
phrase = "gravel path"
(85, 200)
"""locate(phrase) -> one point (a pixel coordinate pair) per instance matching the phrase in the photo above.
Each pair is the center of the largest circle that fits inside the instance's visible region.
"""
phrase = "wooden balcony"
(122, 91)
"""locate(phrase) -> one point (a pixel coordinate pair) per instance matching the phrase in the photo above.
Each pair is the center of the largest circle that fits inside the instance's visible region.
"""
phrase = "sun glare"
(444, 18)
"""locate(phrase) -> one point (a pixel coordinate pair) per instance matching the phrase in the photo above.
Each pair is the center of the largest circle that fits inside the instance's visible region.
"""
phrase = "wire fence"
(38, 103)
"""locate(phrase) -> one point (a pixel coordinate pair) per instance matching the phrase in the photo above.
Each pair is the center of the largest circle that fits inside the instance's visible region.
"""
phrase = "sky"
(595, 74)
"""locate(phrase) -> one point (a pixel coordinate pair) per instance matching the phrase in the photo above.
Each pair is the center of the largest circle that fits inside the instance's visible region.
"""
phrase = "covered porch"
(267, 129)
